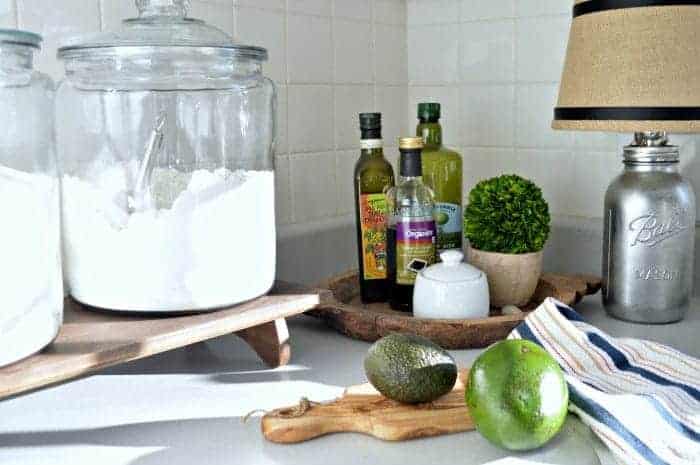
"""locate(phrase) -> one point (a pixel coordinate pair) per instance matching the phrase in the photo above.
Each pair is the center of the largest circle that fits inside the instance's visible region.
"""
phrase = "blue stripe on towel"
(601, 415)
(622, 363)
(568, 312)
(671, 420)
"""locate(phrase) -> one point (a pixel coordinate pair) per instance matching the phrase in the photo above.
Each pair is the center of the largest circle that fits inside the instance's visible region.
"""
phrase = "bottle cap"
(369, 121)
(410, 143)
(429, 111)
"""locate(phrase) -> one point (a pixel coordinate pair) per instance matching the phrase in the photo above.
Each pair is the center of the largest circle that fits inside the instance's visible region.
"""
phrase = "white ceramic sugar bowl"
(451, 290)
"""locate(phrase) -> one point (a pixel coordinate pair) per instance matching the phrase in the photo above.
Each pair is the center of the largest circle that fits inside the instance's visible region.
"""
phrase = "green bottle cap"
(429, 112)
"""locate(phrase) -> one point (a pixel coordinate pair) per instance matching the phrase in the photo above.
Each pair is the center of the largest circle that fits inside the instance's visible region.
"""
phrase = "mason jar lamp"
(633, 66)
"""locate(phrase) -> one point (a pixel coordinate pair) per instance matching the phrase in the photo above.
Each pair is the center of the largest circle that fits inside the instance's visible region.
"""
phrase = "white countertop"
(186, 407)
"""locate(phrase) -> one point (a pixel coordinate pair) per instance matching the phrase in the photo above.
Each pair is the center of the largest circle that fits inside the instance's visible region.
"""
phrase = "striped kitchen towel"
(641, 398)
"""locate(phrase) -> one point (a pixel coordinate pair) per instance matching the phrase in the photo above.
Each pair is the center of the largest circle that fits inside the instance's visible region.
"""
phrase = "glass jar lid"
(161, 23)
(18, 37)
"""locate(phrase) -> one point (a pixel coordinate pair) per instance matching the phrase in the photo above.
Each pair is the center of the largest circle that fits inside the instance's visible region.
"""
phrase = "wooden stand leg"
(270, 341)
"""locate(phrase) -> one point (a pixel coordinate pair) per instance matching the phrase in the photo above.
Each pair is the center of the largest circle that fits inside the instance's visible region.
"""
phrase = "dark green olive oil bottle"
(374, 176)
(442, 172)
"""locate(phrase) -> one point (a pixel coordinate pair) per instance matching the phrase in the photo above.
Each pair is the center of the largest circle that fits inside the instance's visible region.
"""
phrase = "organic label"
(449, 225)
(373, 223)
(415, 248)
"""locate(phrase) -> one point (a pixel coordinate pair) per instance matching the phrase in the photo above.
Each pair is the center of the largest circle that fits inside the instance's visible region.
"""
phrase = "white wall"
(495, 65)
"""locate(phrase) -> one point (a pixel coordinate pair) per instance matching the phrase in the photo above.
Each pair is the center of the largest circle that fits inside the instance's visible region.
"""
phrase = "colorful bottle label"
(415, 248)
(374, 210)
(449, 223)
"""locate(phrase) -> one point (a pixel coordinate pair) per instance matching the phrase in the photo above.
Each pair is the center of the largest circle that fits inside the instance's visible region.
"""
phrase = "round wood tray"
(342, 310)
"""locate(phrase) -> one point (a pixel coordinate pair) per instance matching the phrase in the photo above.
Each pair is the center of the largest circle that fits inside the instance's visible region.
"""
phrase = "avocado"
(410, 369)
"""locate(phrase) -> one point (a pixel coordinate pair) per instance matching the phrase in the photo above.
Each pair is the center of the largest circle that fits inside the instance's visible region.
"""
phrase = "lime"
(517, 395)
(442, 218)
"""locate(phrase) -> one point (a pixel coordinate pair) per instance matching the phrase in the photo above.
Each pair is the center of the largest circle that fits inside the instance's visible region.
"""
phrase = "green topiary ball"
(507, 214)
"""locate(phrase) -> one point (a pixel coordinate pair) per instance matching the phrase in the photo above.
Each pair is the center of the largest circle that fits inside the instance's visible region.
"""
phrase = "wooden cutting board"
(363, 410)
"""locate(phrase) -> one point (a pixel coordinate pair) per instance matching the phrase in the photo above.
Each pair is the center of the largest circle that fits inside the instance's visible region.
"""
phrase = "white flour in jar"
(30, 263)
(210, 245)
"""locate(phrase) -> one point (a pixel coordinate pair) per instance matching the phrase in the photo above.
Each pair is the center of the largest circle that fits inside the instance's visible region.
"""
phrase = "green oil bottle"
(373, 177)
(442, 172)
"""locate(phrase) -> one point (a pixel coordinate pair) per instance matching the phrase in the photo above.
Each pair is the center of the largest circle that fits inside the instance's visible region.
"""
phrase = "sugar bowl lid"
(452, 269)
(161, 23)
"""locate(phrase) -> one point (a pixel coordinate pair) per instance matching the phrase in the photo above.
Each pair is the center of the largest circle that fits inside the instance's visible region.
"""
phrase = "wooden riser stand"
(89, 340)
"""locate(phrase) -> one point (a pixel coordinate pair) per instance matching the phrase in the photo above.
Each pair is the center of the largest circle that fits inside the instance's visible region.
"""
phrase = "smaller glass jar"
(31, 284)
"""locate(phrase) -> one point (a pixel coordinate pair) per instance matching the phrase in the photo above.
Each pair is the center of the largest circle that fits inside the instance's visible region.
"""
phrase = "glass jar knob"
(149, 8)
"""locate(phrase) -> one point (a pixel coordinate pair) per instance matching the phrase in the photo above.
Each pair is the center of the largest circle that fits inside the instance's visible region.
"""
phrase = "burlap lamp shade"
(632, 66)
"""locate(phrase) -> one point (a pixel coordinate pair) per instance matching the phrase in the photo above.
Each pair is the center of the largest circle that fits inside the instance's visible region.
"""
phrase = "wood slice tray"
(342, 310)
(89, 341)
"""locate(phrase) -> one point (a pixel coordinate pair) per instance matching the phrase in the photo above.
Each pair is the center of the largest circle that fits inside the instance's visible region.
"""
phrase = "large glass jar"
(31, 285)
(165, 133)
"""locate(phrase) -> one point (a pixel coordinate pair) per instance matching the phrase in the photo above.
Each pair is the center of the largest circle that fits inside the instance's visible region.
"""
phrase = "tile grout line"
(292, 197)
(15, 13)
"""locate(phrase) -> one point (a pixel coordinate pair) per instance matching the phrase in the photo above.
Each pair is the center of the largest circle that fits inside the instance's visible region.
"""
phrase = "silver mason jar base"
(649, 236)
(646, 315)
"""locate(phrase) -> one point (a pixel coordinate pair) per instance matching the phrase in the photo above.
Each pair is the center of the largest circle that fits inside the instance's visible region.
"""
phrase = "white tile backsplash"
(487, 115)
(392, 103)
(474, 10)
(541, 47)
(353, 51)
(113, 12)
(55, 24)
(593, 172)
(265, 28)
(390, 54)
(283, 190)
(535, 106)
(266, 4)
(433, 11)
(351, 100)
(433, 53)
(310, 118)
(311, 7)
(480, 163)
(345, 163)
(553, 171)
(309, 49)
(313, 180)
(524, 8)
(353, 9)
(390, 12)
(218, 13)
(282, 147)
(8, 14)
(488, 51)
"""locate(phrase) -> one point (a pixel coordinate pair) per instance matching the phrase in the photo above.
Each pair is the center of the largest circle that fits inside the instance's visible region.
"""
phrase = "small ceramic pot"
(512, 278)
(451, 290)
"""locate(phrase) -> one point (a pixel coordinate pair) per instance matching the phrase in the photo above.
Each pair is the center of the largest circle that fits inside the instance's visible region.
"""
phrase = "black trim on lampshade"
(595, 6)
(627, 114)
